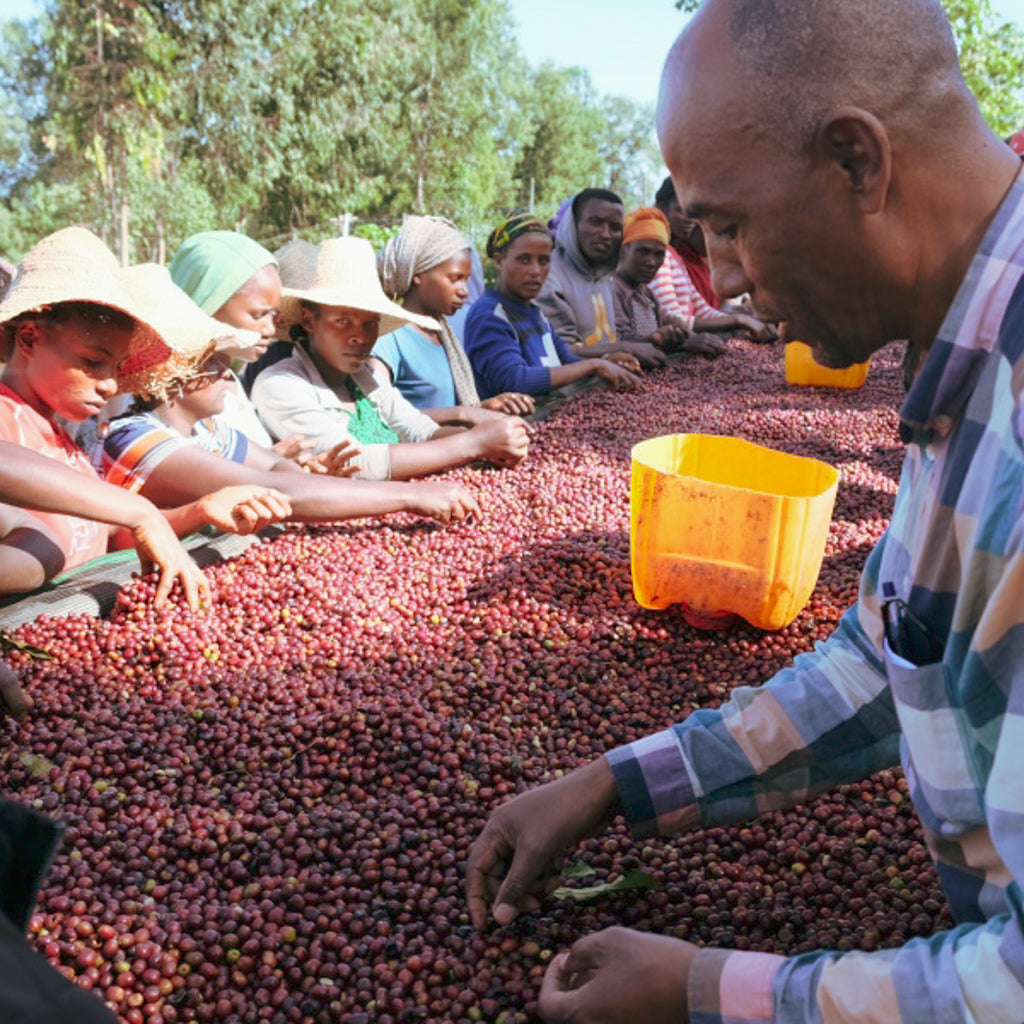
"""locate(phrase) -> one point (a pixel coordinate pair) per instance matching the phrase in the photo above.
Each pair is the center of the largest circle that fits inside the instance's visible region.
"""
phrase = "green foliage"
(563, 154)
(278, 117)
(14, 137)
(39, 209)
(631, 157)
(992, 59)
(378, 234)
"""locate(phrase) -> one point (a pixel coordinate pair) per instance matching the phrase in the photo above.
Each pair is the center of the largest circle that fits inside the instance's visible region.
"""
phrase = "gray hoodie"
(577, 298)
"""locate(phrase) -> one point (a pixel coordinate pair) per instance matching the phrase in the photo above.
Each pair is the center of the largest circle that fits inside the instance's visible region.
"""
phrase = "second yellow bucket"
(726, 527)
(802, 368)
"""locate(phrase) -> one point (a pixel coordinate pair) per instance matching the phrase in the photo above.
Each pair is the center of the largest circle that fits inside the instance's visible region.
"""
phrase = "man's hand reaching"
(619, 976)
(516, 860)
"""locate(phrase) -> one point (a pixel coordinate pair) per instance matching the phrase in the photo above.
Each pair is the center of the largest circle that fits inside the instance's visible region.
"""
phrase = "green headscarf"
(212, 265)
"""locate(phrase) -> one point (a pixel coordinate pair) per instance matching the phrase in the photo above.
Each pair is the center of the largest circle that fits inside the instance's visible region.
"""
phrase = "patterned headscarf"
(422, 244)
(514, 225)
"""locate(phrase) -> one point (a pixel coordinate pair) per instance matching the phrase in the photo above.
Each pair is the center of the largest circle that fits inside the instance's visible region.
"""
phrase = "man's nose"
(728, 278)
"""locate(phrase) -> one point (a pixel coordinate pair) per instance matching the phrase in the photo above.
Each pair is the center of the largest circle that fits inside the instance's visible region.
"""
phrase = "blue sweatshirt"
(511, 346)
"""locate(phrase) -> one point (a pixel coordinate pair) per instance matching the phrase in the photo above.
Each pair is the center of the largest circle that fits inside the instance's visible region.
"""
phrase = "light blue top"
(419, 368)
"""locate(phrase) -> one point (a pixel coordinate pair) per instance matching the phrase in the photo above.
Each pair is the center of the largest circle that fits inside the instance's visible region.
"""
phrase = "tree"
(563, 154)
(629, 151)
(279, 116)
(992, 60)
(108, 73)
(15, 156)
(455, 111)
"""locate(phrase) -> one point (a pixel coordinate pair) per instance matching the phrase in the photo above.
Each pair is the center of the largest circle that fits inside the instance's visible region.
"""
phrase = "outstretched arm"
(189, 472)
(35, 481)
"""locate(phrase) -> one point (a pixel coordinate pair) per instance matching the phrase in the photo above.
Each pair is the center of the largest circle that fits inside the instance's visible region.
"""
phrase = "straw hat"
(337, 272)
(73, 265)
(190, 334)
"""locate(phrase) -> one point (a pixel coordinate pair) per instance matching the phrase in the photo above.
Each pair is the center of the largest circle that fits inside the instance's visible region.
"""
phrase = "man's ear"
(858, 146)
(306, 318)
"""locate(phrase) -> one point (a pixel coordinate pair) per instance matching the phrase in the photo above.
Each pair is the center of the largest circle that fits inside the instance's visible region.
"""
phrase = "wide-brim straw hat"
(337, 272)
(73, 265)
(190, 334)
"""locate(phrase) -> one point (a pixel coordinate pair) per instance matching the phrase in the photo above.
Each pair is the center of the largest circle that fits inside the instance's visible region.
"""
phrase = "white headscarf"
(421, 244)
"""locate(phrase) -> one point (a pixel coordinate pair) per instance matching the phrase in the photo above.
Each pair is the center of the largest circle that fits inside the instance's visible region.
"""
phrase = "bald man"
(844, 177)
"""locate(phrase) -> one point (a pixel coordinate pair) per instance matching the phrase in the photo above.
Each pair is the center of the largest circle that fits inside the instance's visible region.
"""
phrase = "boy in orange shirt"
(71, 337)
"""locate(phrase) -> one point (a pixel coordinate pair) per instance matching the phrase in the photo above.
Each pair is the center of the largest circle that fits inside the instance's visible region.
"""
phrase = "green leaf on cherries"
(579, 869)
(635, 879)
(26, 648)
(38, 766)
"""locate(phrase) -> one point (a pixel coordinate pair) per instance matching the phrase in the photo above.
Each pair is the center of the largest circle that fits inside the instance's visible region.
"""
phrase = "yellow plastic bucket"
(725, 527)
(803, 368)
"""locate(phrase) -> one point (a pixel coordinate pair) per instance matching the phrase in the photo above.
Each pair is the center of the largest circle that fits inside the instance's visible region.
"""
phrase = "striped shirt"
(954, 552)
(677, 296)
(131, 447)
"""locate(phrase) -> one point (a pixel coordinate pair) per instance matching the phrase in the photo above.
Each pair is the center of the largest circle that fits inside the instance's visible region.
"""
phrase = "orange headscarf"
(647, 222)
